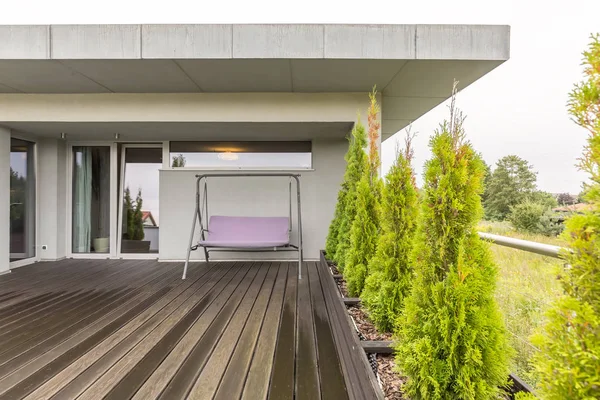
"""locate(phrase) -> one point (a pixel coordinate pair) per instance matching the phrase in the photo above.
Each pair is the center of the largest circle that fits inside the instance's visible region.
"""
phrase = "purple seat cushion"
(247, 232)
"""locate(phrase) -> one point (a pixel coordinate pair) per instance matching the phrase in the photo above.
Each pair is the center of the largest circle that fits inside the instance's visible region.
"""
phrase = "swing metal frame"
(202, 201)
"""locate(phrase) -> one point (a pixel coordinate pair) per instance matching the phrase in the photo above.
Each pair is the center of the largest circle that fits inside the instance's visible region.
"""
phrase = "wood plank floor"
(122, 329)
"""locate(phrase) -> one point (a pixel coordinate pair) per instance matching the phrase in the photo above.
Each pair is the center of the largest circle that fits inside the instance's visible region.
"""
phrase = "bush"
(365, 227)
(338, 240)
(451, 336)
(536, 218)
(546, 199)
(568, 363)
(526, 216)
(390, 272)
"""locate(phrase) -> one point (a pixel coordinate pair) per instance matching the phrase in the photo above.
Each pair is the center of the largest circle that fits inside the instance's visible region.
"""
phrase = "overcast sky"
(519, 108)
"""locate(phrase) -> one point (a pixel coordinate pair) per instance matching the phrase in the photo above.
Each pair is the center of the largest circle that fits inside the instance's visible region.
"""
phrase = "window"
(239, 155)
(22, 200)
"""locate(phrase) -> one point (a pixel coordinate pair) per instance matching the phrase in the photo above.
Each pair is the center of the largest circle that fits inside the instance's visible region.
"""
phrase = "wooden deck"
(115, 329)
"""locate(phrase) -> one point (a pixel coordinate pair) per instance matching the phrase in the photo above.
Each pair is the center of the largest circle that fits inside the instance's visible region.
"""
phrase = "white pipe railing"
(525, 245)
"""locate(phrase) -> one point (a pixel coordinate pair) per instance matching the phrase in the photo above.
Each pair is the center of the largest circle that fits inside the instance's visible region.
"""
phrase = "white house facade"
(89, 113)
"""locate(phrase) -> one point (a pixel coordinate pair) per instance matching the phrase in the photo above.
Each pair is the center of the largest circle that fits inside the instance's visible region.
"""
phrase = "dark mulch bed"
(334, 269)
(365, 326)
(391, 382)
(341, 284)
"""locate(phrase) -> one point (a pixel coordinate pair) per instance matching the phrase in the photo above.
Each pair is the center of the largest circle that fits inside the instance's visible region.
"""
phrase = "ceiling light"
(117, 136)
(63, 135)
(228, 156)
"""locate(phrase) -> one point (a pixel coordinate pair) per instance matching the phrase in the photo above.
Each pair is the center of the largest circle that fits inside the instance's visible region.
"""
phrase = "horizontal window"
(241, 154)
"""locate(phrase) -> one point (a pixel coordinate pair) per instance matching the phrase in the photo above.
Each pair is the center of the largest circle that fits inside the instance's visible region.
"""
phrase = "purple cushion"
(247, 232)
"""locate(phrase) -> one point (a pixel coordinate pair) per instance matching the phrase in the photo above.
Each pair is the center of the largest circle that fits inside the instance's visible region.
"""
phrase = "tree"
(357, 164)
(390, 271)
(585, 187)
(565, 199)
(178, 161)
(133, 216)
(451, 336)
(544, 198)
(365, 227)
(355, 161)
(486, 179)
(18, 189)
(568, 363)
(510, 183)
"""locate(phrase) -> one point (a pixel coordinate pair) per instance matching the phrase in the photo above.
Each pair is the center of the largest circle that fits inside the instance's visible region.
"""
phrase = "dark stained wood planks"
(125, 329)
(283, 375)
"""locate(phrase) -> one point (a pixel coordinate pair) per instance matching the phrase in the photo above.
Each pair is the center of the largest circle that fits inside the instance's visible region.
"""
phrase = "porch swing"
(243, 234)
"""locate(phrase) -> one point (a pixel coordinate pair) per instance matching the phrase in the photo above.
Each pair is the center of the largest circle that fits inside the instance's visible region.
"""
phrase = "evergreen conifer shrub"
(334, 227)
(364, 230)
(569, 361)
(356, 163)
(390, 272)
(451, 336)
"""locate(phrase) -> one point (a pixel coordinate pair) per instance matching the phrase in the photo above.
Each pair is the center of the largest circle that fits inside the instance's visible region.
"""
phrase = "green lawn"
(527, 285)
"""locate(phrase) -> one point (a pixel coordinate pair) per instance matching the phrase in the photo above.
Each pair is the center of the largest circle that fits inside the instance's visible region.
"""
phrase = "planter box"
(135, 246)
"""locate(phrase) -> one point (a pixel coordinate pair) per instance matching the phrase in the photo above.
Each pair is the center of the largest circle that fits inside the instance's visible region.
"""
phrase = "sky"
(519, 108)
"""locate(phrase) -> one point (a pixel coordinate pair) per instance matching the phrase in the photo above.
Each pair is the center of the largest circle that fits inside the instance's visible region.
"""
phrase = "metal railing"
(525, 245)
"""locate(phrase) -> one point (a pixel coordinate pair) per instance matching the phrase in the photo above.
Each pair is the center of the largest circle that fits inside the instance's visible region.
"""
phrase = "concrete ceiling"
(413, 66)
(160, 131)
(410, 88)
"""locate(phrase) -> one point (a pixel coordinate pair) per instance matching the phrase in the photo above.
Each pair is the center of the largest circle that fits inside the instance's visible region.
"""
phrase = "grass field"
(527, 286)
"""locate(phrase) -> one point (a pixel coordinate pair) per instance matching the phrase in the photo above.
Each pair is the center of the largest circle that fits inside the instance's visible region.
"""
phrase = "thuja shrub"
(451, 336)
(357, 163)
(568, 363)
(334, 227)
(364, 230)
(390, 271)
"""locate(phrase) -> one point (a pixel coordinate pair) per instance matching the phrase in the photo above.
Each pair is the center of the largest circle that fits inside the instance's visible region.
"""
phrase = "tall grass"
(527, 286)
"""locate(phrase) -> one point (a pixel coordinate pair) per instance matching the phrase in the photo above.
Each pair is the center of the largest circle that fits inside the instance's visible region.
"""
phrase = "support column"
(51, 178)
(4, 200)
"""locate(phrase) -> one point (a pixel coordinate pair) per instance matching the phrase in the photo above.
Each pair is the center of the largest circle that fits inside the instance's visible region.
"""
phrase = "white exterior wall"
(254, 197)
(177, 187)
(51, 198)
(4, 200)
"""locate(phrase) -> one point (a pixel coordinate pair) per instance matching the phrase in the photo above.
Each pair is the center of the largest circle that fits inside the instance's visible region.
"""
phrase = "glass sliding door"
(22, 199)
(91, 199)
(139, 213)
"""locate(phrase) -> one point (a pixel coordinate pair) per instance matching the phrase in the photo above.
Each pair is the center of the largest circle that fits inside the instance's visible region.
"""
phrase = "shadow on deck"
(118, 329)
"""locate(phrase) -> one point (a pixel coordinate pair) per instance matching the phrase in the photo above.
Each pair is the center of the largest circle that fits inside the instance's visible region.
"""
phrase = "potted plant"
(133, 232)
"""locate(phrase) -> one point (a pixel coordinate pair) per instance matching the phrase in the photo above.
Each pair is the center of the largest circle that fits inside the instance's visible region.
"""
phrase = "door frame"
(36, 256)
(132, 256)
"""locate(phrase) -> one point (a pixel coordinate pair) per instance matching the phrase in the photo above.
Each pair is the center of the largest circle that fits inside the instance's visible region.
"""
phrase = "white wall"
(51, 198)
(254, 197)
(4, 200)
(151, 234)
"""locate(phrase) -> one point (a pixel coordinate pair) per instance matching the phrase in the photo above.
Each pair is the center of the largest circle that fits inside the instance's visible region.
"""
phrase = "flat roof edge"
(261, 41)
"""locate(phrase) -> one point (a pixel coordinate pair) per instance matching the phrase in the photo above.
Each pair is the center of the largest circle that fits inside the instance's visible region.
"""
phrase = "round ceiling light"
(228, 156)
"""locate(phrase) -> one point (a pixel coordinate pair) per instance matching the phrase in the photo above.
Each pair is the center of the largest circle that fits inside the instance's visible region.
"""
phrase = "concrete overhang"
(413, 66)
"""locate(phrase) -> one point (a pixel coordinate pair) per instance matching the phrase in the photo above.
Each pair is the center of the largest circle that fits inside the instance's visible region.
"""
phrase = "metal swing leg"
(187, 259)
